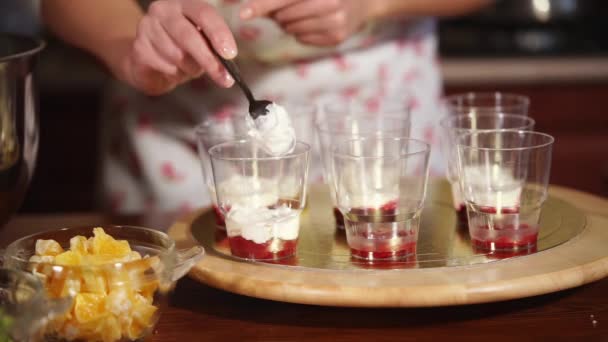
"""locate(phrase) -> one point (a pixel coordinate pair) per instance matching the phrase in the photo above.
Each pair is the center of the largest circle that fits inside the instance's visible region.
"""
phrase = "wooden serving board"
(580, 259)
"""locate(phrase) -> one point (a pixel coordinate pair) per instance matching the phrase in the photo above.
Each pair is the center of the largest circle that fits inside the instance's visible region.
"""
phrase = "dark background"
(573, 110)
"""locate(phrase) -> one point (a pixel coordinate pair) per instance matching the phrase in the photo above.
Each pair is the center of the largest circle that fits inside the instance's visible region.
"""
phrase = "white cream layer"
(262, 224)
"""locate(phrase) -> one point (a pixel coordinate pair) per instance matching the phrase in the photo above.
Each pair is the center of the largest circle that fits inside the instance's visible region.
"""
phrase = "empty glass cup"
(487, 103)
(504, 176)
(454, 126)
(261, 196)
(380, 186)
(351, 120)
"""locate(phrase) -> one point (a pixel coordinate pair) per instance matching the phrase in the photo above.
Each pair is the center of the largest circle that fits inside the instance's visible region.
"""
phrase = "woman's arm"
(330, 22)
(104, 28)
(435, 8)
(154, 52)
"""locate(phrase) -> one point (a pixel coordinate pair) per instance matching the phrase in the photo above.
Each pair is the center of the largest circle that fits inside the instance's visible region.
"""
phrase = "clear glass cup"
(380, 185)
(303, 117)
(261, 196)
(211, 132)
(25, 309)
(110, 301)
(341, 122)
(504, 176)
(454, 126)
(214, 131)
(487, 103)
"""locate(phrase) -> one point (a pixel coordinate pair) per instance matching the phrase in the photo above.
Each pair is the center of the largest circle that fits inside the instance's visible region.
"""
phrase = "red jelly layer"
(461, 213)
(248, 249)
(380, 244)
(387, 264)
(519, 239)
(493, 210)
(385, 251)
(498, 254)
(219, 217)
(387, 209)
(503, 242)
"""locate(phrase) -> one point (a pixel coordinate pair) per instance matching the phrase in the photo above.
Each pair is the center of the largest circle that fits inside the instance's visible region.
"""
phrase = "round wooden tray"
(572, 252)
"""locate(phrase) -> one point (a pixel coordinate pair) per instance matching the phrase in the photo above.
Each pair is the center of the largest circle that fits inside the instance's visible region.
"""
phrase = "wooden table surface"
(200, 313)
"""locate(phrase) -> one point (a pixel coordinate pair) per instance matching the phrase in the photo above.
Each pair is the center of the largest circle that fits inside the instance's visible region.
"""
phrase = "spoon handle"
(233, 70)
(231, 67)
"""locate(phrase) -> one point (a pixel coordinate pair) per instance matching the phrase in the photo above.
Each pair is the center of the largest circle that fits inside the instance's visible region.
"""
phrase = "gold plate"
(441, 242)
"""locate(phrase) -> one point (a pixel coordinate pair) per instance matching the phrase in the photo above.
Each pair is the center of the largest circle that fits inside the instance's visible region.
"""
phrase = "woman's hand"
(169, 49)
(314, 22)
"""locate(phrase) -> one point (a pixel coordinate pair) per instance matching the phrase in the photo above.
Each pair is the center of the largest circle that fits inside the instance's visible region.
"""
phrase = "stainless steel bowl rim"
(38, 45)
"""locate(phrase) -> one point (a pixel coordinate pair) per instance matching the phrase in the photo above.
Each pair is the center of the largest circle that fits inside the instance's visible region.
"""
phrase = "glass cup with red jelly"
(380, 186)
(354, 119)
(213, 131)
(454, 126)
(261, 197)
(504, 175)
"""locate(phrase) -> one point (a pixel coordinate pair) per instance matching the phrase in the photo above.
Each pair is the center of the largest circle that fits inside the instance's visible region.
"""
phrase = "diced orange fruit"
(143, 317)
(134, 256)
(104, 244)
(147, 289)
(48, 248)
(89, 307)
(94, 283)
(110, 303)
(79, 244)
(109, 329)
(144, 313)
(69, 258)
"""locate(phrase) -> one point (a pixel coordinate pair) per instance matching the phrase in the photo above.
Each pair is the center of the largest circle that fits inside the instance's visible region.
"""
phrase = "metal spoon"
(256, 107)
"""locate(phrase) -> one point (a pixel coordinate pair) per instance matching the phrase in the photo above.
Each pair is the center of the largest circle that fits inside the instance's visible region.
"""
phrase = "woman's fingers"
(305, 10)
(213, 25)
(260, 8)
(331, 22)
(321, 39)
(191, 41)
(145, 54)
(171, 51)
(194, 55)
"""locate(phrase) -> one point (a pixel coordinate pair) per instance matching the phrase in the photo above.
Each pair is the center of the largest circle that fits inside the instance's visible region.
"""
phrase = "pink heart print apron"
(149, 157)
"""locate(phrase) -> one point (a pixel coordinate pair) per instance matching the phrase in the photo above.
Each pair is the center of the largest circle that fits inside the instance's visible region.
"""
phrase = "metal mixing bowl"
(18, 119)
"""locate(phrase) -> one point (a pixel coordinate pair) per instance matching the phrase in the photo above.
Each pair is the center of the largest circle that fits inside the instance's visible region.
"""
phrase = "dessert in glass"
(261, 195)
(504, 176)
(215, 130)
(454, 126)
(487, 103)
(340, 122)
(380, 185)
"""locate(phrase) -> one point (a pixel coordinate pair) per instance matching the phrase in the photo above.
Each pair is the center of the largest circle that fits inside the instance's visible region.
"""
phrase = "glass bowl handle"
(186, 259)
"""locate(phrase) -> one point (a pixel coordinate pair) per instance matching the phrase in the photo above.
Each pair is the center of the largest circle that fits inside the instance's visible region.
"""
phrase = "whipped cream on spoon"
(269, 124)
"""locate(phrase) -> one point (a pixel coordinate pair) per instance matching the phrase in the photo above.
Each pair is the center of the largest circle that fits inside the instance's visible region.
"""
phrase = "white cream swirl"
(273, 131)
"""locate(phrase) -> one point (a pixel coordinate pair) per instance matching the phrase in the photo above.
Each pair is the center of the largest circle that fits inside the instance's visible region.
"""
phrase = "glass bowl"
(24, 307)
(112, 301)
